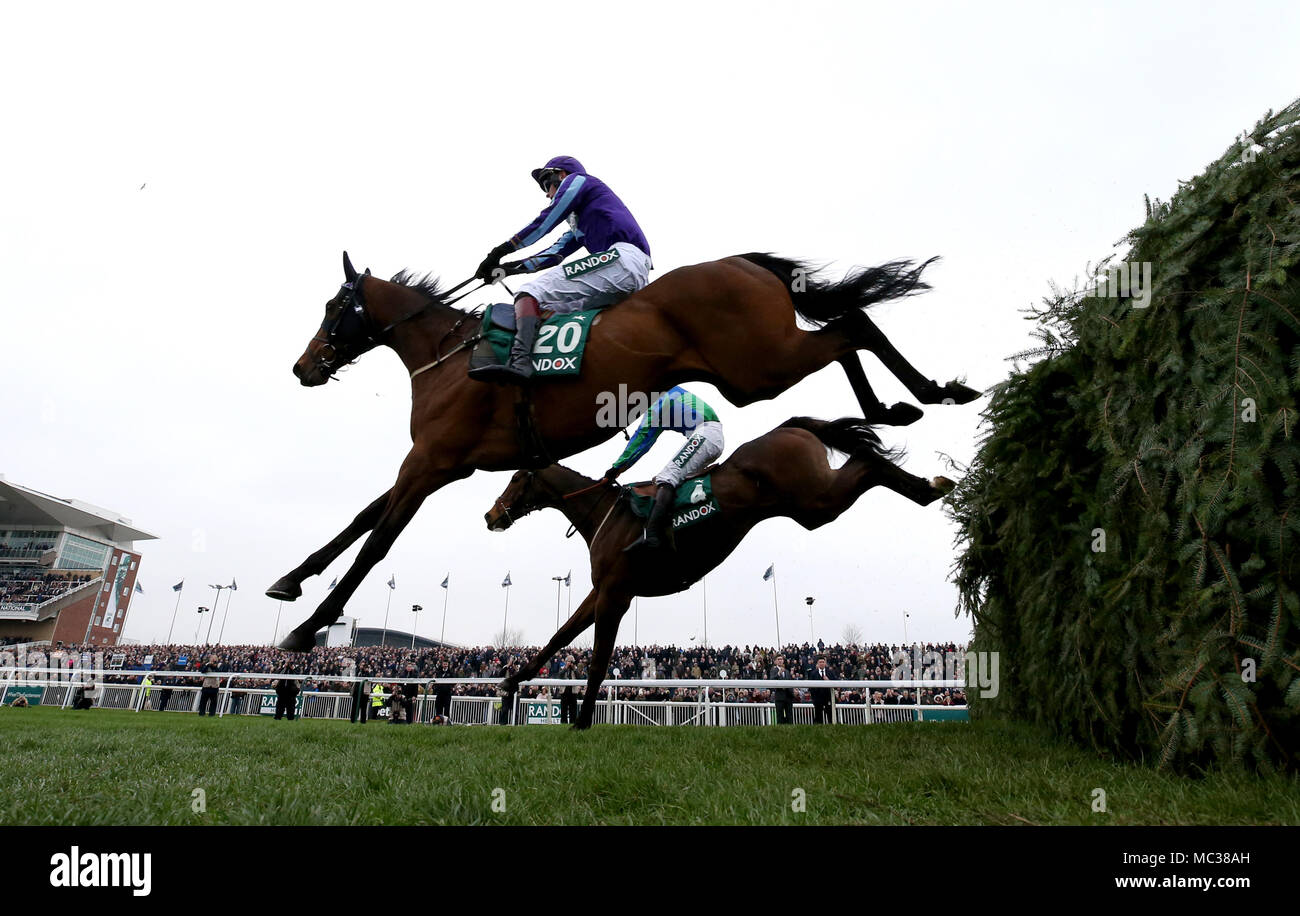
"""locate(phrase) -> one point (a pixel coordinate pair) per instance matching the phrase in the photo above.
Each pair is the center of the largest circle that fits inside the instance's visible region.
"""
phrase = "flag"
(178, 586)
(506, 583)
(232, 586)
(446, 579)
(332, 584)
(139, 588)
(771, 571)
(566, 578)
(392, 581)
(415, 609)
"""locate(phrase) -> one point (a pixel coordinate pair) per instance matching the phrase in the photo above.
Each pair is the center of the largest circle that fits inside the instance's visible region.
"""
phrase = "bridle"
(530, 477)
(339, 336)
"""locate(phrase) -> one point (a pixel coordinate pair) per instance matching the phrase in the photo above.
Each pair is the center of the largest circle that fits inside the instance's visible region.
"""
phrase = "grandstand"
(372, 636)
(67, 569)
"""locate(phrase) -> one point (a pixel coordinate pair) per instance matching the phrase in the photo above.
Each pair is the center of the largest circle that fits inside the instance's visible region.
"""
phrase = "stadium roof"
(22, 506)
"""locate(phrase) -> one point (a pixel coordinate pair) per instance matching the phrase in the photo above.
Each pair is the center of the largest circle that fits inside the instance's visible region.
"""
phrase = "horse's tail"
(850, 435)
(822, 301)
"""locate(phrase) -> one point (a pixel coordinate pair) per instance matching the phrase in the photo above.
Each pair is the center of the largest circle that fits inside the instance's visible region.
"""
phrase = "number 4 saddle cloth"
(561, 340)
(694, 503)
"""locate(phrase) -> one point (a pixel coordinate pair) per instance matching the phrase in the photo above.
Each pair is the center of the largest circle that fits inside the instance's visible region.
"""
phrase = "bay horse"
(730, 322)
(782, 473)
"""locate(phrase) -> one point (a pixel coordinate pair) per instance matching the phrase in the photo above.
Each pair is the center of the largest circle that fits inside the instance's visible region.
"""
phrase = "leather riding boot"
(656, 534)
(519, 367)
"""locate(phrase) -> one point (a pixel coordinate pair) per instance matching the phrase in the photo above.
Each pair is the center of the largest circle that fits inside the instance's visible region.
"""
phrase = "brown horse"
(730, 322)
(782, 473)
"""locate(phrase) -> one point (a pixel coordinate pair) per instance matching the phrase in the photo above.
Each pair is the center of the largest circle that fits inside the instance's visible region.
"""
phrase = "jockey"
(598, 221)
(681, 412)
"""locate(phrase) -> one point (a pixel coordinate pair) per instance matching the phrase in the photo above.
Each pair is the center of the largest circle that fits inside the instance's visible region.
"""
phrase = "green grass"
(111, 767)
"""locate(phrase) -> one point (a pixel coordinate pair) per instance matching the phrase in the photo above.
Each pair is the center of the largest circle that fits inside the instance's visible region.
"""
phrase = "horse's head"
(525, 493)
(347, 332)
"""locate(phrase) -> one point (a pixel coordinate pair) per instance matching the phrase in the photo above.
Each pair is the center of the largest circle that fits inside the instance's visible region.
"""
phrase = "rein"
(573, 527)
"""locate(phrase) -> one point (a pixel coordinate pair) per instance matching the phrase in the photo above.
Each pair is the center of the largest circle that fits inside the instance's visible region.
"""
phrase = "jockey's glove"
(492, 261)
(611, 474)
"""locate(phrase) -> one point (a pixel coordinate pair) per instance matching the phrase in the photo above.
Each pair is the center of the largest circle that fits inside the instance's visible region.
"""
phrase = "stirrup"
(502, 373)
(642, 543)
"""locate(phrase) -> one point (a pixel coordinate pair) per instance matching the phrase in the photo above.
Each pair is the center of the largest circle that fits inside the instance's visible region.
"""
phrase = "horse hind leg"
(609, 611)
(873, 409)
(868, 336)
(289, 587)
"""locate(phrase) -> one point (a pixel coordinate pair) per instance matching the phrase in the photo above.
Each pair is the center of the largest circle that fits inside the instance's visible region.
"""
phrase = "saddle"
(694, 501)
(557, 351)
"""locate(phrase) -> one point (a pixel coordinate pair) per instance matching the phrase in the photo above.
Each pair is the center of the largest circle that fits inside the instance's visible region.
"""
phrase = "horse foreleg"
(567, 633)
(609, 610)
(927, 391)
(414, 484)
(289, 587)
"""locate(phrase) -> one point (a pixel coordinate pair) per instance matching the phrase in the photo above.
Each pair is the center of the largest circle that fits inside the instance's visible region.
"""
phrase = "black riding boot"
(519, 369)
(656, 527)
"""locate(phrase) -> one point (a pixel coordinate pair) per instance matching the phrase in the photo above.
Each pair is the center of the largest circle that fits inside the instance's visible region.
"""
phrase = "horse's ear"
(367, 271)
(349, 271)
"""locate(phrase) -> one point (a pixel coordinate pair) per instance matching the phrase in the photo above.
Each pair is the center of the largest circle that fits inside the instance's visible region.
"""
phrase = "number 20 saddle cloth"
(561, 340)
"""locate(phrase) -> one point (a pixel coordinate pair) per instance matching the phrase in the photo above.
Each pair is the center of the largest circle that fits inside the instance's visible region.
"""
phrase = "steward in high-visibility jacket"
(376, 700)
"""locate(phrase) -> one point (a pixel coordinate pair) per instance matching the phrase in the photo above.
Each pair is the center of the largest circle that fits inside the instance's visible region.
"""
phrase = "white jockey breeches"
(594, 288)
(703, 445)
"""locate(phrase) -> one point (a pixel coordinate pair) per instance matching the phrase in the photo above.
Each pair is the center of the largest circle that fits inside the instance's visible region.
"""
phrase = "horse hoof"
(299, 642)
(902, 414)
(943, 485)
(579, 727)
(284, 590)
(957, 393)
(505, 692)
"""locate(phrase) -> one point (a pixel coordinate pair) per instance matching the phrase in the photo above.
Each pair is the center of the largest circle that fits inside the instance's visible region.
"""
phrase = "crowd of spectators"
(24, 548)
(34, 585)
(666, 663)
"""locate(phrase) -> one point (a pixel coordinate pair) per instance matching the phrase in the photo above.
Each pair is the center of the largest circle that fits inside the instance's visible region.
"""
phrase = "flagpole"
(775, 609)
(276, 633)
(207, 640)
(383, 639)
(505, 616)
(221, 634)
(442, 637)
(558, 580)
(704, 582)
(415, 609)
(179, 592)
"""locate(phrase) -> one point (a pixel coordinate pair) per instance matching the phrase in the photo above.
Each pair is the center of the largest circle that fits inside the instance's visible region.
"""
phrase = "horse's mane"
(424, 284)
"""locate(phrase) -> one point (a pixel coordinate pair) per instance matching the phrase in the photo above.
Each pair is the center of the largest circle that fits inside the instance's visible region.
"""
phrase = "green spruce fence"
(1129, 526)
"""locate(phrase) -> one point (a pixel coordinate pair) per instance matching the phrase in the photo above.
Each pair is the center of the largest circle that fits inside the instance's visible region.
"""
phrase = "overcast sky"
(181, 179)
